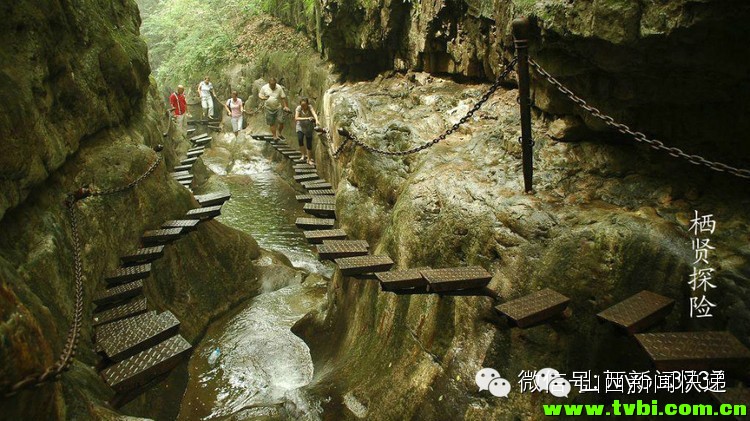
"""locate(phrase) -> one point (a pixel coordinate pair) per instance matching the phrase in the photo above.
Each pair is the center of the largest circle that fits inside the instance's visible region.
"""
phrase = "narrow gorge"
(167, 264)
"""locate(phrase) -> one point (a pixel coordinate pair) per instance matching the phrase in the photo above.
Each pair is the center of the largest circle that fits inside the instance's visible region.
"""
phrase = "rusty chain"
(638, 136)
(64, 361)
(485, 97)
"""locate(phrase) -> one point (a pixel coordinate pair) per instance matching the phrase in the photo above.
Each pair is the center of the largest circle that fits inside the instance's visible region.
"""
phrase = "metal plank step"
(402, 279)
(213, 199)
(190, 131)
(179, 173)
(202, 142)
(261, 136)
(196, 137)
(638, 312)
(130, 309)
(197, 148)
(363, 264)
(305, 170)
(118, 293)
(313, 223)
(135, 338)
(324, 200)
(305, 177)
(336, 249)
(161, 236)
(207, 212)
(712, 350)
(189, 161)
(303, 166)
(186, 167)
(322, 192)
(142, 367)
(104, 332)
(320, 209)
(187, 178)
(187, 225)
(143, 255)
(534, 308)
(318, 236)
(195, 154)
(452, 279)
(128, 274)
(303, 197)
(315, 184)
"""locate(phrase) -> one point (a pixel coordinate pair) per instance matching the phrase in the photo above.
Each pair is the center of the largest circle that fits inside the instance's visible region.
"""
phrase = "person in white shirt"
(206, 92)
(235, 108)
(275, 105)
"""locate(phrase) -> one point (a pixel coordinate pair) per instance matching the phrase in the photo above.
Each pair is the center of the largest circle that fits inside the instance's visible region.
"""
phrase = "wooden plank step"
(305, 177)
(324, 200)
(322, 192)
(118, 293)
(316, 184)
(143, 255)
(194, 154)
(130, 309)
(305, 170)
(186, 167)
(318, 236)
(452, 279)
(712, 350)
(189, 161)
(303, 166)
(142, 367)
(207, 212)
(320, 209)
(359, 265)
(638, 312)
(304, 197)
(128, 274)
(135, 337)
(161, 236)
(334, 249)
(402, 279)
(534, 308)
(313, 223)
(213, 199)
(187, 225)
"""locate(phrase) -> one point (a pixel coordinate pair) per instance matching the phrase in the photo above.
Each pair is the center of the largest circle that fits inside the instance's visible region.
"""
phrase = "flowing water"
(250, 365)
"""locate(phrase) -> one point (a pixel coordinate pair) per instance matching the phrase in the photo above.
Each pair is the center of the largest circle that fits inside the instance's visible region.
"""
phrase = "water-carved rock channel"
(250, 363)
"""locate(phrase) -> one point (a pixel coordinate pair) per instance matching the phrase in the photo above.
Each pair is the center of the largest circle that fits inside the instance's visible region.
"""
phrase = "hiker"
(206, 92)
(235, 108)
(275, 98)
(306, 120)
(179, 107)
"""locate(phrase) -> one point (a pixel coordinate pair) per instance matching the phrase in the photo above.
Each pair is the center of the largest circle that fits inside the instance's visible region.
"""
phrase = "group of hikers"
(275, 106)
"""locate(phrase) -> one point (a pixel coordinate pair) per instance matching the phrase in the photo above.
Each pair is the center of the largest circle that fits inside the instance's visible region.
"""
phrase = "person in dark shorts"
(306, 120)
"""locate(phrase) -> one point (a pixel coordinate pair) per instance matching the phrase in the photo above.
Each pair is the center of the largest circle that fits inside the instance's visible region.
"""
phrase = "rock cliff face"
(673, 69)
(78, 108)
(607, 220)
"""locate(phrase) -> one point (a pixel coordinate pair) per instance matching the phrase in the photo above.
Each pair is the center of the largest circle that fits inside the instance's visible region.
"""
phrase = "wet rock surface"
(606, 220)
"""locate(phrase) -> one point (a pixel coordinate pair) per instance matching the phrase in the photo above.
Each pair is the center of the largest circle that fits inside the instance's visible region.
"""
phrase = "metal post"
(521, 30)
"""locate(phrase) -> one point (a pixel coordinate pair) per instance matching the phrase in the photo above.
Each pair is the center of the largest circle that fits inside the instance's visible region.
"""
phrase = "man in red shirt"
(179, 107)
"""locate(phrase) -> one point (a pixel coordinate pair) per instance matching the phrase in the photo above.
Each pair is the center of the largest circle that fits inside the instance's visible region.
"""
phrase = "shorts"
(305, 136)
(236, 124)
(274, 117)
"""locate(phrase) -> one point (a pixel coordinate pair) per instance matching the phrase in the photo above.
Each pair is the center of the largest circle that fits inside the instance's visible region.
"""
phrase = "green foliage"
(188, 38)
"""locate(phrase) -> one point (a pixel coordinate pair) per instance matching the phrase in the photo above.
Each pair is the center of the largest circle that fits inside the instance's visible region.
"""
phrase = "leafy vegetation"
(188, 38)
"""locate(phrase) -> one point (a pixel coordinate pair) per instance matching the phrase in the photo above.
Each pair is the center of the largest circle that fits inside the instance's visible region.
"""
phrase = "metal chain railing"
(485, 97)
(638, 136)
(64, 361)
